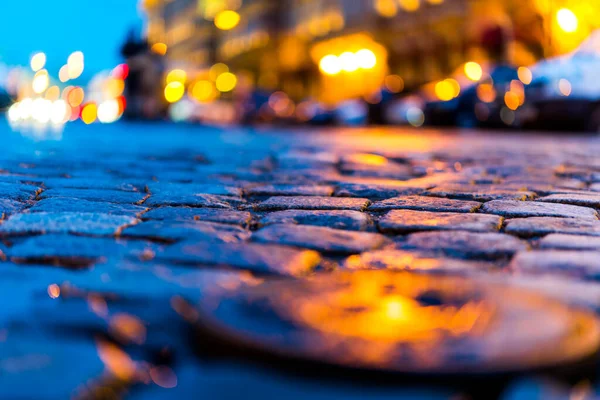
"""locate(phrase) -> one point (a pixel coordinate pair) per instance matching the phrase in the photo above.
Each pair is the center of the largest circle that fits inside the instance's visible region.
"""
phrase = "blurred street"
(153, 261)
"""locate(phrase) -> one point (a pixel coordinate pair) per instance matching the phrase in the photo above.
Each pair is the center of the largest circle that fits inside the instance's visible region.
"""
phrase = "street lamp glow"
(38, 61)
(330, 65)
(366, 59)
(349, 61)
(567, 20)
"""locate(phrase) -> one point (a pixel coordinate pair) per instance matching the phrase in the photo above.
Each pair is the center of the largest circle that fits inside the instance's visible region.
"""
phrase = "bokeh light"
(227, 20)
(330, 65)
(159, 48)
(567, 20)
(217, 70)
(349, 61)
(565, 87)
(89, 113)
(40, 82)
(366, 59)
(174, 91)
(38, 61)
(204, 91)
(473, 71)
(226, 82)
(525, 75)
(176, 75)
(108, 111)
(75, 64)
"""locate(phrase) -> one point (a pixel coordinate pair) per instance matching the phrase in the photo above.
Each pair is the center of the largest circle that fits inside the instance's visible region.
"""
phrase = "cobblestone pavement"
(113, 238)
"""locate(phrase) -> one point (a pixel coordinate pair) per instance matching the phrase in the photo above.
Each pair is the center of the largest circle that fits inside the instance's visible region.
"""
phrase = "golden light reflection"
(128, 328)
(116, 361)
(404, 322)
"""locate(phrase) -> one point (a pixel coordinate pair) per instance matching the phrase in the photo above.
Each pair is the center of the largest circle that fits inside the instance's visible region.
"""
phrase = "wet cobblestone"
(111, 243)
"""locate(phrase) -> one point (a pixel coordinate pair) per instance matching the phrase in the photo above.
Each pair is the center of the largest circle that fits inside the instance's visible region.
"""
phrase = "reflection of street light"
(567, 20)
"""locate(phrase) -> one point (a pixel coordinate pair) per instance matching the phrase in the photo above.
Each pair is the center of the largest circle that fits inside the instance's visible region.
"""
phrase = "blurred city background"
(467, 63)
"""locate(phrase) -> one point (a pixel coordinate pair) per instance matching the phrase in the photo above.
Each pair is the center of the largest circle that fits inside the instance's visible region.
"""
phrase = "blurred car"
(478, 104)
(460, 100)
(565, 91)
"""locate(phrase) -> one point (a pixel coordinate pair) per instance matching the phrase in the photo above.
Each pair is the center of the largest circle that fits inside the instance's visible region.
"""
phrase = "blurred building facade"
(285, 44)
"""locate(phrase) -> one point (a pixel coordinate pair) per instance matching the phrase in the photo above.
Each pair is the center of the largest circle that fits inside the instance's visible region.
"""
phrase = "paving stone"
(111, 196)
(569, 242)
(424, 203)
(65, 204)
(199, 214)
(8, 206)
(95, 224)
(18, 192)
(186, 189)
(478, 193)
(405, 221)
(288, 190)
(411, 261)
(570, 264)
(320, 238)
(191, 200)
(92, 183)
(337, 219)
(540, 226)
(34, 367)
(254, 257)
(467, 245)
(588, 200)
(312, 203)
(374, 191)
(74, 250)
(519, 209)
(172, 231)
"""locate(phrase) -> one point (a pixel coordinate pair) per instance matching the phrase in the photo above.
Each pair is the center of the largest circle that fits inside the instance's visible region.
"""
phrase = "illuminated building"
(338, 49)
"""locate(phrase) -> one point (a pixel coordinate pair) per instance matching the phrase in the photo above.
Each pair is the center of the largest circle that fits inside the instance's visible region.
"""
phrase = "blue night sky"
(59, 27)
